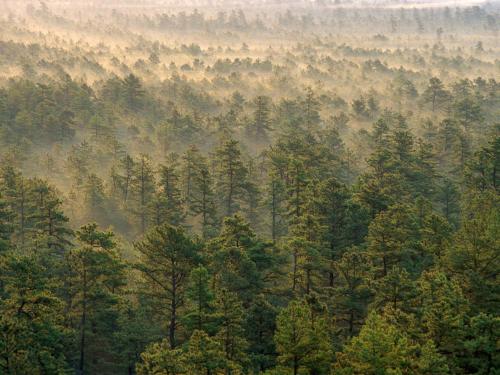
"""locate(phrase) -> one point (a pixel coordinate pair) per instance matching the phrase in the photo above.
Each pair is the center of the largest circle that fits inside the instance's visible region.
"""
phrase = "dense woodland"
(277, 189)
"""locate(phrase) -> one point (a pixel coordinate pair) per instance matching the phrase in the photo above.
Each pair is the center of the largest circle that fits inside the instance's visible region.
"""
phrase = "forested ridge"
(294, 191)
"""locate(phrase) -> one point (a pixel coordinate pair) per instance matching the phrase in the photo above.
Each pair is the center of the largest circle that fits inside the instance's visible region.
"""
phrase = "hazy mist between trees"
(258, 187)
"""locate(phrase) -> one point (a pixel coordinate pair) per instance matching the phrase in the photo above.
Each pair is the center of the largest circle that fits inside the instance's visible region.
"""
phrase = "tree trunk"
(173, 315)
(294, 281)
(83, 322)
(273, 213)
(231, 188)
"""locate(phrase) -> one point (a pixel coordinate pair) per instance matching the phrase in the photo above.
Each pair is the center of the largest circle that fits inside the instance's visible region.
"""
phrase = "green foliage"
(31, 318)
(381, 348)
(201, 299)
(481, 344)
(142, 188)
(474, 252)
(435, 95)
(483, 169)
(199, 191)
(442, 313)
(265, 198)
(132, 92)
(231, 176)
(205, 355)
(160, 359)
(395, 289)
(167, 255)
(351, 290)
(93, 282)
(391, 239)
(229, 318)
(236, 256)
(6, 227)
(261, 124)
(260, 326)
(302, 339)
(168, 206)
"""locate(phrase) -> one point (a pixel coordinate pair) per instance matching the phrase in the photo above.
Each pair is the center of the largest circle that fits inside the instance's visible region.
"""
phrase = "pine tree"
(260, 326)
(167, 255)
(452, 146)
(231, 176)
(95, 277)
(395, 290)
(352, 290)
(261, 124)
(229, 317)
(252, 197)
(65, 129)
(297, 184)
(202, 199)
(442, 312)
(401, 146)
(482, 355)
(382, 186)
(423, 172)
(307, 248)
(200, 302)
(448, 196)
(391, 237)
(468, 112)
(80, 162)
(31, 317)
(276, 199)
(231, 258)
(302, 339)
(435, 234)
(205, 355)
(473, 254)
(101, 130)
(123, 178)
(191, 163)
(6, 225)
(310, 106)
(48, 220)
(344, 220)
(95, 198)
(161, 358)
(142, 188)
(436, 95)
(133, 93)
(483, 171)
(134, 330)
(380, 348)
(171, 207)
(16, 191)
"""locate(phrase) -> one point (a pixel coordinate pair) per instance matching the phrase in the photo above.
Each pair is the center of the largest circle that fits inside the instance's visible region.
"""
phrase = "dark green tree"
(92, 286)
(167, 255)
(352, 291)
(142, 188)
(205, 355)
(436, 95)
(199, 312)
(229, 316)
(231, 177)
(391, 239)
(261, 124)
(302, 340)
(133, 93)
(380, 348)
(169, 206)
(31, 317)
